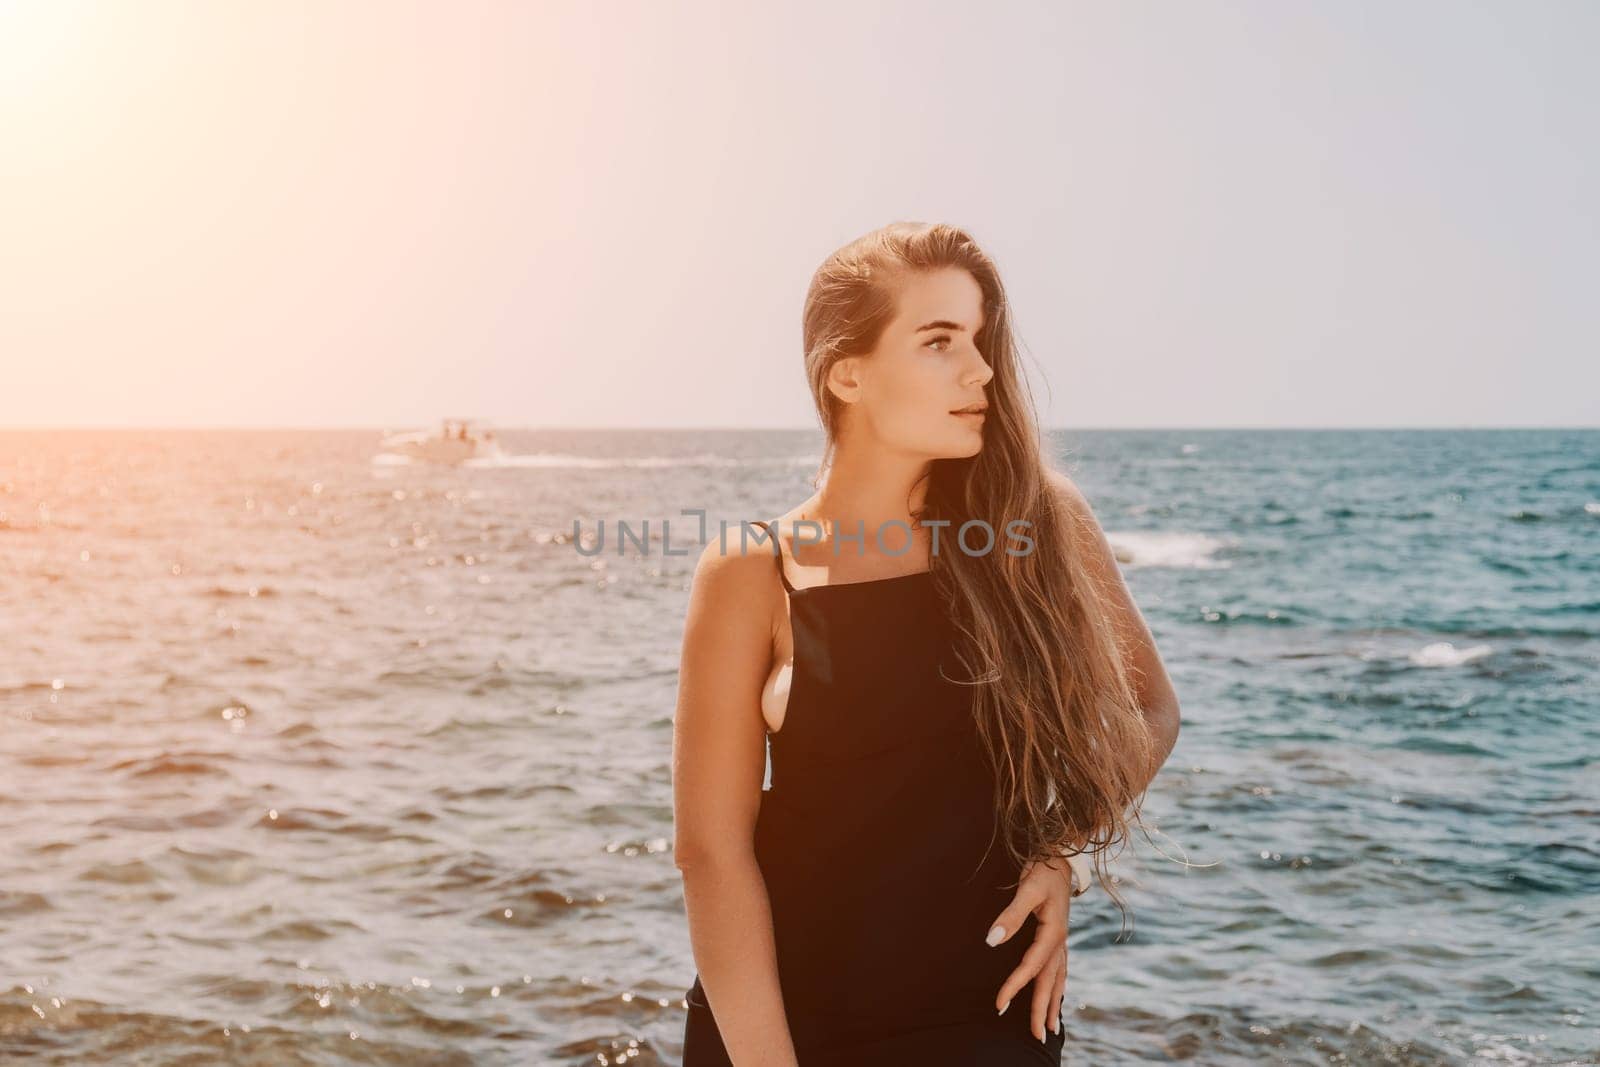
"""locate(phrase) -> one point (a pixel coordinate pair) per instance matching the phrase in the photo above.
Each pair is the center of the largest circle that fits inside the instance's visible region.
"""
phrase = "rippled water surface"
(308, 758)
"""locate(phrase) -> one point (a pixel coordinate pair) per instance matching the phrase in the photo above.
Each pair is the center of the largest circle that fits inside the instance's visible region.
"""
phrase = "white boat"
(456, 441)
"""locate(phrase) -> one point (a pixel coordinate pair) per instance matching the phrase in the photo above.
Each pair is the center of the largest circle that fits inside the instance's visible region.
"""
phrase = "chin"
(964, 449)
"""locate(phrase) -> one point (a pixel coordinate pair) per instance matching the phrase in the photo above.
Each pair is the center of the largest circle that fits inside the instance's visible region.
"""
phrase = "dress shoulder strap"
(777, 546)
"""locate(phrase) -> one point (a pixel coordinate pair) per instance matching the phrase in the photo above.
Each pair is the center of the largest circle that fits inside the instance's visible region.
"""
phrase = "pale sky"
(342, 214)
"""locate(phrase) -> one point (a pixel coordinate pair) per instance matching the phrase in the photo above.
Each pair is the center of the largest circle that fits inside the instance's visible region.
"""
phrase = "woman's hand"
(1045, 890)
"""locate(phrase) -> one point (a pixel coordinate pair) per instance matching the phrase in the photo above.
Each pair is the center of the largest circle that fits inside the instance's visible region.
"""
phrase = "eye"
(938, 340)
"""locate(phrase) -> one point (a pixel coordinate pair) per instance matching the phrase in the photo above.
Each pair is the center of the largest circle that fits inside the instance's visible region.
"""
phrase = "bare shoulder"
(1068, 494)
(735, 575)
(743, 555)
(1085, 527)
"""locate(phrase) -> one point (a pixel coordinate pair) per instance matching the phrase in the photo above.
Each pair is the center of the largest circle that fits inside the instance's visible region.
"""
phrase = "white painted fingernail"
(995, 935)
(1003, 1008)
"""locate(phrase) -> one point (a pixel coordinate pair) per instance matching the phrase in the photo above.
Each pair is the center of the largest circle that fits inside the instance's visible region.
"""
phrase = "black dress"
(880, 848)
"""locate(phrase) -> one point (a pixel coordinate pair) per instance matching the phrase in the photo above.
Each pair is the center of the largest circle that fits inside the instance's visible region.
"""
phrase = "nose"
(980, 374)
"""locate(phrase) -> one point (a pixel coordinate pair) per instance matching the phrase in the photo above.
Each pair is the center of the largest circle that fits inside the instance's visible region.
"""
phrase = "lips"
(971, 409)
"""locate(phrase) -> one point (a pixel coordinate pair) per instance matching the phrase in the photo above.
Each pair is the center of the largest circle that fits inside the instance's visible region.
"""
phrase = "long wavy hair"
(1053, 697)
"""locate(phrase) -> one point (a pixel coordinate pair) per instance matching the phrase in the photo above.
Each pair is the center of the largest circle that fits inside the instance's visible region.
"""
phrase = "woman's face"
(925, 367)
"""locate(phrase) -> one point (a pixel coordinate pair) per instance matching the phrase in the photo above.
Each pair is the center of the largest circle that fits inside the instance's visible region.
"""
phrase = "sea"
(310, 755)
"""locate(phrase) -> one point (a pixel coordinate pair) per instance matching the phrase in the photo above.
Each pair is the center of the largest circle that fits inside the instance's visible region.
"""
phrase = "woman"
(947, 724)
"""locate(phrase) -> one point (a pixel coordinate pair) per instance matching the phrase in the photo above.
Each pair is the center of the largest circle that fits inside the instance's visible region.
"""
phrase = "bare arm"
(718, 761)
(1157, 697)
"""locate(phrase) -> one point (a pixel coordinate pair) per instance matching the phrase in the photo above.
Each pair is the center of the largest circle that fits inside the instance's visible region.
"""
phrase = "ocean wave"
(1146, 548)
(1446, 654)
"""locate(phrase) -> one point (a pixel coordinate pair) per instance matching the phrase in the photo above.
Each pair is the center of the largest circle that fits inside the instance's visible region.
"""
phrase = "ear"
(844, 379)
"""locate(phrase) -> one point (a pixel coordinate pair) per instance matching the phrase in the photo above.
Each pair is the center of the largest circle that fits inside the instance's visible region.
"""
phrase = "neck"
(868, 487)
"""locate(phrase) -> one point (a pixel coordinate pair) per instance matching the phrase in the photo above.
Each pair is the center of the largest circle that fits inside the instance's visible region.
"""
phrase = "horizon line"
(507, 428)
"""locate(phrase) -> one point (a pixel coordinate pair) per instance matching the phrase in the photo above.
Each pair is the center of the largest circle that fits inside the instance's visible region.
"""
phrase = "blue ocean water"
(310, 758)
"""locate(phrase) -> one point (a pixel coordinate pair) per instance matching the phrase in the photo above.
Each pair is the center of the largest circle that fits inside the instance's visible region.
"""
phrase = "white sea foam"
(1445, 654)
(1145, 548)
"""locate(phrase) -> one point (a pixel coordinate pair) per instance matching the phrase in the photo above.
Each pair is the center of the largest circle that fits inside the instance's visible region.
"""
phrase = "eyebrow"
(940, 324)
